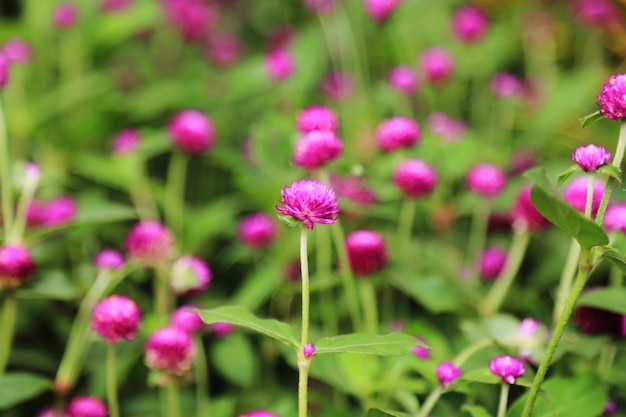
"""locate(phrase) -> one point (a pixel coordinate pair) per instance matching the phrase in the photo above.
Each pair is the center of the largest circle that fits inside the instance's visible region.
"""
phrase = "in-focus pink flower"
(86, 406)
(591, 157)
(576, 194)
(317, 118)
(337, 85)
(380, 10)
(190, 276)
(469, 23)
(279, 64)
(507, 367)
(437, 65)
(126, 141)
(115, 318)
(109, 259)
(615, 217)
(367, 252)
(223, 48)
(524, 210)
(612, 97)
(447, 372)
(491, 262)
(65, 15)
(16, 266)
(403, 79)
(486, 180)
(449, 129)
(415, 178)
(170, 350)
(317, 148)
(16, 50)
(257, 230)
(308, 350)
(506, 85)
(397, 132)
(187, 320)
(310, 202)
(149, 242)
(191, 131)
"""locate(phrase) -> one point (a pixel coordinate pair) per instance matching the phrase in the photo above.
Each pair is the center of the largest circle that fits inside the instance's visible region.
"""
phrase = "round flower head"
(612, 97)
(486, 180)
(189, 321)
(191, 131)
(415, 178)
(149, 242)
(56, 212)
(223, 48)
(221, 329)
(279, 64)
(491, 262)
(591, 157)
(367, 252)
(403, 79)
(190, 276)
(116, 317)
(615, 217)
(576, 194)
(450, 129)
(380, 10)
(505, 85)
(507, 367)
(317, 148)
(308, 350)
(447, 372)
(610, 407)
(532, 337)
(16, 50)
(524, 210)
(259, 413)
(336, 85)
(528, 327)
(317, 118)
(126, 141)
(310, 202)
(437, 65)
(65, 15)
(353, 188)
(595, 12)
(16, 266)
(257, 230)
(469, 23)
(109, 259)
(86, 406)
(4, 71)
(170, 350)
(397, 132)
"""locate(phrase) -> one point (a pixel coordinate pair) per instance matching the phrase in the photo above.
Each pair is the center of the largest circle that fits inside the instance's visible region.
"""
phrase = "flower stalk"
(111, 384)
(504, 399)
(304, 363)
(9, 316)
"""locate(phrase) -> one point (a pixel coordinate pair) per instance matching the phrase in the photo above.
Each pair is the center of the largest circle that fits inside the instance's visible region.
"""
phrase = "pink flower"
(317, 118)
(486, 180)
(380, 10)
(65, 15)
(189, 321)
(317, 148)
(223, 48)
(491, 262)
(109, 259)
(16, 266)
(591, 157)
(576, 194)
(116, 317)
(86, 406)
(194, 19)
(171, 350)
(259, 413)
(437, 65)
(420, 351)
(221, 329)
(149, 242)
(190, 276)
(612, 97)
(17, 50)
(257, 230)
(505, 85)
(126, 141)
(4, 71)
(524, 210)
(191, 131)
(469, 23)
(450, 129)
(353, 188)
(610, 407)
(403, 79)
(595, 12)
(615, 217)
(507, 367)
(415, 178)
(56, 212)
(279, 64)
(320, 6)
(308, 350)
(337, 85)
(310, 202)
(447, 372)
(397, 132)
(367, 252)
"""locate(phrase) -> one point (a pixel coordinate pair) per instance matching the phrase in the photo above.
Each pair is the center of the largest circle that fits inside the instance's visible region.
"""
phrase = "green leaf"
(475, 410)
(235, 359)
(392, 344)
(375, 412)
(18, 387)
(561, 179)
(611, 299)
(591, 118)
(432, 292)
(563, 215)
(481, 376)
(614, 257)
(241, 317)
(611, 171)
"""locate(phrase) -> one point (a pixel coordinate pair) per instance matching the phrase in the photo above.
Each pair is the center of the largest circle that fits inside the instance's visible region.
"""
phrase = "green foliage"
(17, 387)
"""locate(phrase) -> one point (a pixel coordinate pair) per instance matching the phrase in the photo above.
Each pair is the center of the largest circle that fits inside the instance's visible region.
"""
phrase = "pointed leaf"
(615, 258)
(241, 317)
(611, 171)
(591, 118)
(558, 211)
(18, 387)
(561, 179)
(611, 299)
(393, 344)
(475, 411)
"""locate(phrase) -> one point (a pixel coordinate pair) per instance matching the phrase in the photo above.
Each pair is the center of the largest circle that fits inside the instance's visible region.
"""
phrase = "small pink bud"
(491, 262)
(420, 351)
(469, 23)
(337, 85)
(191, 131)
(505, 85)
(507, 367)
(367, 252)
(16, 266)
(415, 178)
(317, 148)
(397, 132)
(279, 64)
(126, 141)
(187, 320)
(447, 372)
(486, 180)
(116, 317)
(308, 350)
(149, 242)
(437, 65)
(86, 406)
(257, 230)
(65, 15)
(221, 329)
(403, 79)
(449, 129)
(109, 259)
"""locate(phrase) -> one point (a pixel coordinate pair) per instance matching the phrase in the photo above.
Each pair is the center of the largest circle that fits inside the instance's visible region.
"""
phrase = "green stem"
(303, 363)
(303, 383)
(324, 270)
(430, 401)
(478, 233)
(567, 277)
(173, 400)
(501, 287)
(6, 188)
(504, 399)
(202, 380)
(616, 277)
(617, 162)
(162, 295)
(17, 233)
(174, 203)
(405, 224)
(589, 198)
(9, 316)
(584, 269)
(370, 306)
(111, 384)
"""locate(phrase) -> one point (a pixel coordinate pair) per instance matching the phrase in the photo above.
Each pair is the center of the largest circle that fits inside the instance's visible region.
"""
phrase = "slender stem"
(589, 201)
(504, 399)
(9, 315)
(114, 407)
(324, 269)
(616, 277)
(162, 294)
(584, 268)
(173, 400)
(6, 188)
(303, 383)
(567, 277)
(617, 162)
(303, 363)
(174, 203)
(478, 233)
(370, 306)
(202, 380)
(405, 224)
(500, 288)
(19, 224)
(430, 401)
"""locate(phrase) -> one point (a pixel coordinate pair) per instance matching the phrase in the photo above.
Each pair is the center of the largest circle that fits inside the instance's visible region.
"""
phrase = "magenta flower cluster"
(447, 372)
(309, 202)
(170, 350)
(367, 252)
(16, 266)
(612, 97)
(115, 318)
(508, 368)
(397, 132)
(317, 148)
(591, 157)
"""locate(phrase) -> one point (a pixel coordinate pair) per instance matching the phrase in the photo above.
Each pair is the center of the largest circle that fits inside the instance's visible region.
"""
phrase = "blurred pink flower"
(223, 48)
(367, 251)
(65, 15)
(469, 23)
(415, 178)
(403, 79)
(16, 266)
(337, 85)
(279, 64)
(317, 148)
(437, 65)
(116, 317)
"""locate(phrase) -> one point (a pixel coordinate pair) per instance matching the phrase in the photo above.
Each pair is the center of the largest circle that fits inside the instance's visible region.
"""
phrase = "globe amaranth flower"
(16, 50)
(308, 350)
(469, 23)
(116, 317)
(310, 202)
(317, 118)
(257, 230)
(65, 15)
(186, 319)
(4, 71)
(591, 157)
(193, 19)
(505, 85)
(576, 194)
(615, 217)
(149, 242)
(191, 131)
(397, 132)
(403, 79)
(507, 367)
(437, 65)
(353, 188)
(415, 178)
(336, 85)
(190, 276)
(447, 372)
(126, 141)
(612, 97)
(597, 321)
(532, 338)
(86, 406)
(595, 12)
(421, 351)
(259, 413)
(367, 252)
(449, 129)
(380, 10)
(610, 407)
(170, 350)
(279, 64)
(491, 262)
(109, 259)
(16, 266)
(317, 148)
(56, 212)
(223, 48)
(524, 211)
(220, 329)
(486, 180)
